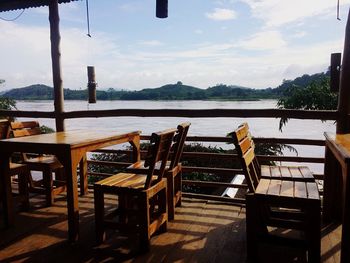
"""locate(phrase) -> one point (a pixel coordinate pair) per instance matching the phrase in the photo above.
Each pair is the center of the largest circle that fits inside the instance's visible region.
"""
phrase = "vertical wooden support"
(335, 71)
(343, 125)
(56, 63)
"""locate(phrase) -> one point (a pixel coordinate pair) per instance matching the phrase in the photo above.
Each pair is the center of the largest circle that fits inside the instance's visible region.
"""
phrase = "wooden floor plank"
(203, 231)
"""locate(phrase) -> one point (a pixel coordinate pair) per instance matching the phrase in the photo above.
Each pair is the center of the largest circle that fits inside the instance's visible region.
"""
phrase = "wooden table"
(70, 147)
(336, 200)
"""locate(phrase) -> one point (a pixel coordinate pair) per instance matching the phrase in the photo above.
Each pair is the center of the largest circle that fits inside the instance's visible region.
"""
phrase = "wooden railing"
(223, 173)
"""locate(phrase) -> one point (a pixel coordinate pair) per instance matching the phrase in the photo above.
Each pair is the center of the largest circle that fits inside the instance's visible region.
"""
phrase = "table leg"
(83, 175)
(332, 198)
(70, 162)
(345, 241)
(5, 183)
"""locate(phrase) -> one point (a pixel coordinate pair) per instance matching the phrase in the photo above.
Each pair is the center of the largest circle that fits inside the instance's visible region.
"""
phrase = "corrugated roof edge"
(10, 5)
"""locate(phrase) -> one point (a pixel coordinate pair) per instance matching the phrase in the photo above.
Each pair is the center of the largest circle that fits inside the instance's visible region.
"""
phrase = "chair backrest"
(158, 151)
(25, 128)
(245, 150)
(4, 129)
(178, 144)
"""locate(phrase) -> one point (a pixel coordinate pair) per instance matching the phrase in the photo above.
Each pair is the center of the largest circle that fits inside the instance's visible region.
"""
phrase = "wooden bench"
(142, 198)
(279, 197)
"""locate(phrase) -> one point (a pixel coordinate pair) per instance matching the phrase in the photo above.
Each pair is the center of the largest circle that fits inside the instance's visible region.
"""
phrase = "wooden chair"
(173, 170)
(273, 204)
(21, 170)
(142, 198)
(47, 164)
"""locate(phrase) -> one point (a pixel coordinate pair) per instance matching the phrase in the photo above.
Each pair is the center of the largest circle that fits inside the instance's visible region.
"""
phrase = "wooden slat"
(287, 189)
(274, 187)
(295, 172)
(312, 190)
(285, 172)
(26, 132)
(24, 125)
(305, 171)
(265, 171)
(263, 186)
(246, 144)
(242, 131)
(275, 172)
(300, 190)
(249, 157)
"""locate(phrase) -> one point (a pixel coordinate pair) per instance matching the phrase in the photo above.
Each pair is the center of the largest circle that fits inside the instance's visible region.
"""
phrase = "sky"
(251, 43)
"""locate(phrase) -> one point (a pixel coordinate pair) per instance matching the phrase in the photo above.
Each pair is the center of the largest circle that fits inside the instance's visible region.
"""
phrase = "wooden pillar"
(56, 63)
(343, 125)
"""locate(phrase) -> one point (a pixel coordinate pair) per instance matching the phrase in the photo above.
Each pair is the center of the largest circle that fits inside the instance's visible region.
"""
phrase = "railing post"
(56, 64)
(343, 122)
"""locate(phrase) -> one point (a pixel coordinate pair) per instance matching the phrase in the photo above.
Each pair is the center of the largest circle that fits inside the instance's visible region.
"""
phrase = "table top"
(340, 143)
(74, 138)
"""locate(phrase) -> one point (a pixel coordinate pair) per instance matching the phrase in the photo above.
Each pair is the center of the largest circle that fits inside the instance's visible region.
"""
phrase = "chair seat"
(45, 160)
(289, 173)
(125, 180)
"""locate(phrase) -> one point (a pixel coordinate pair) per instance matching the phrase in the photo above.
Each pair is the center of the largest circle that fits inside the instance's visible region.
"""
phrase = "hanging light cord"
(88, 18)
(338, 11)
(13, 19)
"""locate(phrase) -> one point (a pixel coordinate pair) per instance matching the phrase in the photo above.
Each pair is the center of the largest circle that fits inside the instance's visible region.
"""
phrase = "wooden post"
(343, 125)
(56, 63)
(335, 71)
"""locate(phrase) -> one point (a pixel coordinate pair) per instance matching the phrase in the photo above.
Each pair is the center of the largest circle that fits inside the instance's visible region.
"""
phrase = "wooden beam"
(343, 125)
(56, 64)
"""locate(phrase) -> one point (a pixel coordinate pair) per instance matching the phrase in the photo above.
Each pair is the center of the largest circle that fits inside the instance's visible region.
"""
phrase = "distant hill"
(176, 91)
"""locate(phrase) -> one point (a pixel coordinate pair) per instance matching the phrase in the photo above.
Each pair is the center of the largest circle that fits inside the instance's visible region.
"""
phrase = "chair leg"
(178, 187)
(48, 185)
(99, 215)
(163, 209)
(23, 189)
(313, 233)
(144, 224)
(251, 228)
(170, 196)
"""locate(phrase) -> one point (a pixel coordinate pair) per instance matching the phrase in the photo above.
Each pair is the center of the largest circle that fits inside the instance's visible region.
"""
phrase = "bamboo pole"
(343, 125)
(56, 64)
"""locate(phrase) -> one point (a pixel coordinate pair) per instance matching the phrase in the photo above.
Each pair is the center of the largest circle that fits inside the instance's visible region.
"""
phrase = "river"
(260, 127)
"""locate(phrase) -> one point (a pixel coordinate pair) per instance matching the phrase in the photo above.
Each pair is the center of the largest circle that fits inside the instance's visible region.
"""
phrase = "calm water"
(311, 129)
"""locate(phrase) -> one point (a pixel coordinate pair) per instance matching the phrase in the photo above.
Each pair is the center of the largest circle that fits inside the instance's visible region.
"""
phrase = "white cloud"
(277, 13)
(266, 40)
(222, 14)
(299, 34)
(152, 43)
(198, 31)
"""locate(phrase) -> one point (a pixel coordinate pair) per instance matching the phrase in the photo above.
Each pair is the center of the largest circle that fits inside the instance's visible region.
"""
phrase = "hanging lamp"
(162, 8)
(91, 84)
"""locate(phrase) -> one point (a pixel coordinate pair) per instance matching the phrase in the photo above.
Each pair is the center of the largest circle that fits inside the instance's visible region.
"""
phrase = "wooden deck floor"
(203, 231)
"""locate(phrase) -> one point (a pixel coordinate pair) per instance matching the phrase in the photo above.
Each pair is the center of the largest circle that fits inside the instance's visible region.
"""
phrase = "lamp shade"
(162, 8)
(91, 84)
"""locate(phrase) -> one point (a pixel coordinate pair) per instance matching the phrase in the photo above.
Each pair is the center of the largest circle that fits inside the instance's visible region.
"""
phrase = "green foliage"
(7, 104)
(315, 96)
(176, 91)
(46, 129)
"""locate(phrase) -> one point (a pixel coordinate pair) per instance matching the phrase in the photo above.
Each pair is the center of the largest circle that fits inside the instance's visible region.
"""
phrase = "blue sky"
(252, 43)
